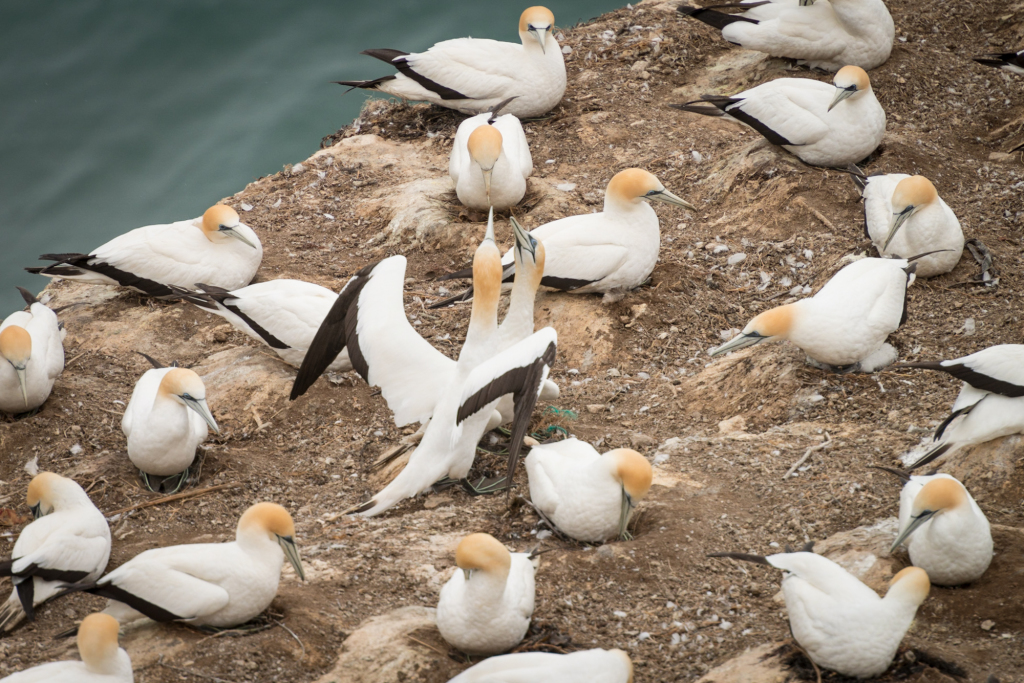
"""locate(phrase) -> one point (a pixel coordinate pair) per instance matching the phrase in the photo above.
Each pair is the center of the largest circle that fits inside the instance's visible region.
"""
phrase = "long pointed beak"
(523, 241)
(37, 510)
(487, 183)
(489, 235)
(292, 553)
(22, 382)
(669, 198)
(740, 341)
(238, 236)
(627, 508)
(542, 37)
(898, 219)
(911, 528)
(841, 95)
(466, 573)
(201, 407)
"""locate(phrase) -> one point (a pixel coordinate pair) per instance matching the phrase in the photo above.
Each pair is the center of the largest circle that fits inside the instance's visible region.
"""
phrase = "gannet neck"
(487, 275)
(909, 588)
(97, 643)
(529, 272)
(52, 492)
(632, 470)
(483, 553)
(16, 346)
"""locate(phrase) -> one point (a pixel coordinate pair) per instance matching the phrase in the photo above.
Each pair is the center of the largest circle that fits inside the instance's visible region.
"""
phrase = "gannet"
(485, 608)
(473, 75)
(490, 161)
(103, 661)
(822, 34)
(1007, 61)
(839, 622)
(609, 252)
(846, 323)
(31, 356)
(990, 403)
(945, 531)
(588, 496)
(584, 666)
(904, 216)
(807, 117)
(165, 421)
(69, 541)
(216, 249)
(205, 584)
(282, 314)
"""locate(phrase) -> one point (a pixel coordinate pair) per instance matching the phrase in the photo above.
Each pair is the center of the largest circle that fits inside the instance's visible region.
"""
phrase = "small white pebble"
(719, 248)
(725, 625)
(644, 635)
(245, 207)
(298, 168)
(566, 187)
(566, 50)
(328, 216)
(736, 258)
(550, 161)
(697, 158)
(76, 449)
(32, 466)
(621, 615)
(544, 533)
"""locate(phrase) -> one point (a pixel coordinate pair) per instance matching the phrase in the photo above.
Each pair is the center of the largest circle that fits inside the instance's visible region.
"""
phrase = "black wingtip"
(712, 18)
(744, 557)
(152, 361)
(461, 296)
(930, 456)
(463, 274)
(368, 505)
(900, 474)
(28, 296)
(35, 271)
(702, 109)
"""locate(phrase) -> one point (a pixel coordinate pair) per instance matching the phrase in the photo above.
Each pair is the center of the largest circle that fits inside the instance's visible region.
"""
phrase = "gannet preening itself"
(166, 419)
(216, 249)
(1007, 61)
(588, 496)
(846, 323)
(31, 356)
(807, 117)
(584, 666)
(609, 252)
(945, 531)
(69, 541)
(485, 608)
(990, 404)
(205, 584)
(103, 660)
(473, 75)
(904, 216)
(490, 161)
(839, 622)
(822, 34)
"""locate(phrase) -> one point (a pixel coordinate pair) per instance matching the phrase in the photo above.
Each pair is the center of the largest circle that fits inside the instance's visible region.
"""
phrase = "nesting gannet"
(165, 421)
(103, 660)
(839, 622)
(205, 584)
(846, 323)
(473, 75)
(69, 541)
(990, 404)
(31, 356)
(807, 117)
(584, 666)
(490, 161)
(485, 608)
(1007, 61)
(588, 496)
(904, 216)
(823, 34)
(215, 248)
(609, 252)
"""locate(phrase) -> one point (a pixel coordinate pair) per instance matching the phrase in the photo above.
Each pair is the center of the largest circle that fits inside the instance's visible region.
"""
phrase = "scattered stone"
(732, 425)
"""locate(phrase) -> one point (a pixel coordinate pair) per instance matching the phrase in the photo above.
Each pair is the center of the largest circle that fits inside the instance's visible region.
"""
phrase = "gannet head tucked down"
(629, 187)
(46, 493)
(535, 25)
(186, 387)
(270, 521)
(634, 473)
(911, 195)
(485, 147)
(220, 223)
(16, 349)
(850, 81)
(482, 552)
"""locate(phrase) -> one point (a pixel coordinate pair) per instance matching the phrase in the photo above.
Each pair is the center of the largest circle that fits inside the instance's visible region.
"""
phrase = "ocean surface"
(119, 114)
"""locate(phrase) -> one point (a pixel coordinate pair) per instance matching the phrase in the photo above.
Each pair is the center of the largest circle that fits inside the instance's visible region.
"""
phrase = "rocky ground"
(722, 433)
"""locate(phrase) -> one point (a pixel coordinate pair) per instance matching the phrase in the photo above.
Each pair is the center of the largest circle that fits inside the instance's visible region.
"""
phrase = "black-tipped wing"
(900, 474)
(70, 265)
(745, 557)
(986, 376)
(397, 59)
(224, 298)
(1008, 61)
(718, 20)
(200, 299)
(154, 362)
(930, 456)
(154, 612)
(28, 296)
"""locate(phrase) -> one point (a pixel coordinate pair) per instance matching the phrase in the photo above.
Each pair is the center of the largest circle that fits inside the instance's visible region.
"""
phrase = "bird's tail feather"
(745, 557)
(710, 17)
(365, 85)
(930, 456)
(11, 613)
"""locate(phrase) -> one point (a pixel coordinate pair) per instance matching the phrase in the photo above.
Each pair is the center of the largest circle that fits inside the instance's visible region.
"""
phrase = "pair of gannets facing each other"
(166, 419)
(823, 34)
(820, 124)
(486, 606)
(31, 356)
(473, 75)
(609, 252)
(490, 161)
(588, 496)
(69, 541)
(1006, 61)
(103, 660)
(215, 248)
(585, 666)
(839, 622)
(845, 324)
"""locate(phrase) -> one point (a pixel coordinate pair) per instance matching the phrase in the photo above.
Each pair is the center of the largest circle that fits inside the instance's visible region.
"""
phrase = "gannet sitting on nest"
(807, 117)
(823, 34)
(69, 541)
(485, 608)
(584, 666)
(945, 531)
(206, 584)
(588, 496)
(904, 216)
(473, 75)
(990, 404)
(839, 622)
(609, 252)
(103, 661)
(490, 161)
(844, 326)
(31, 356)
(1007, 61)
(216, 249)
(165, 421)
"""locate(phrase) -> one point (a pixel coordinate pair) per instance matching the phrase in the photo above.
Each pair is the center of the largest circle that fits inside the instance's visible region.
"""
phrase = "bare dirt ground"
(633, 373)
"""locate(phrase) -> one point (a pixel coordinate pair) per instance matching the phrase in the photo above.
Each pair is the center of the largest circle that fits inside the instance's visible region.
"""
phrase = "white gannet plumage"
(31, 356)
(215, 248)
(103, 660)
(69, 541)
(474, 75)
(490, 162)
(584, 666)
(1012, 62)
(588, 496)
(807, 117)
(486, 606)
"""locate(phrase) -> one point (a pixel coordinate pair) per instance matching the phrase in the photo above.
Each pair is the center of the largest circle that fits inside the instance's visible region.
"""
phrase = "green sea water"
(125, 113)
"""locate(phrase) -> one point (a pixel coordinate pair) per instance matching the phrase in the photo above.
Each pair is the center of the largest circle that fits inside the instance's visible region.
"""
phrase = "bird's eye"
(186, 396)
(653, 192)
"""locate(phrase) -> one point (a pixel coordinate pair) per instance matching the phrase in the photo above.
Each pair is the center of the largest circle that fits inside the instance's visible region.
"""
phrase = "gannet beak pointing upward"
(489, 235)
(524, 242)
(230, 231)
(667, 197)
(291, 551)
